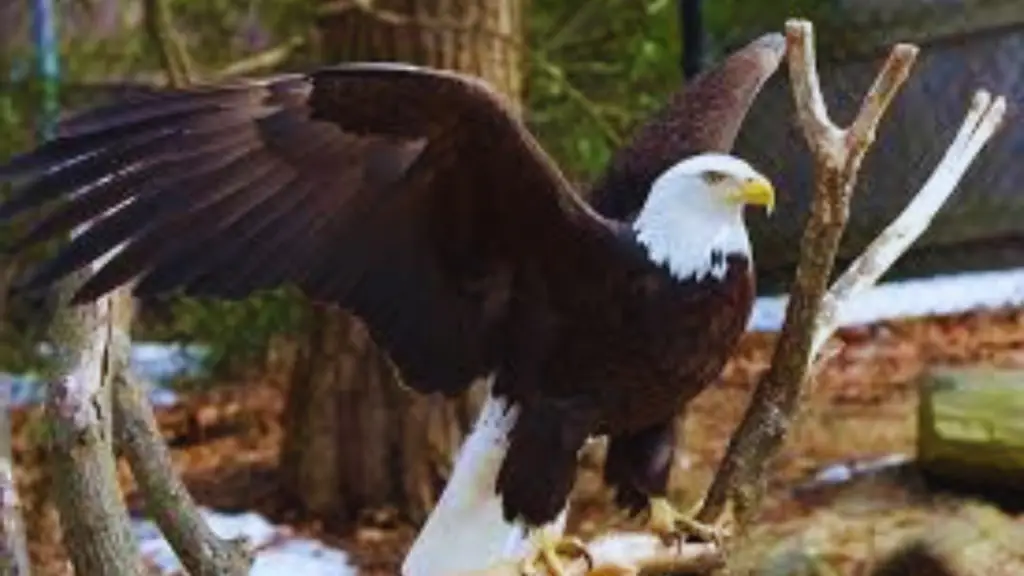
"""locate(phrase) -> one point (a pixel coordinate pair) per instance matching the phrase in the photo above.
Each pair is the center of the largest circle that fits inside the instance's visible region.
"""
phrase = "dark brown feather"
(415, 199)
(389, 190)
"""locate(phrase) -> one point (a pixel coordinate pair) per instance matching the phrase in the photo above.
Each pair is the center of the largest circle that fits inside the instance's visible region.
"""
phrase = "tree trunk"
(355, 438)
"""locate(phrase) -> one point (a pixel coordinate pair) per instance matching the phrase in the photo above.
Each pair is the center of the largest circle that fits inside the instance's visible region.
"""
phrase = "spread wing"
(410, 196)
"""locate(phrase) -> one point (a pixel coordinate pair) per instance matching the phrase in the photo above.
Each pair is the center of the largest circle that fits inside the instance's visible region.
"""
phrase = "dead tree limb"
(813, 311)
(837, 157)
(13, 548)
(167, 499)
(93, 516)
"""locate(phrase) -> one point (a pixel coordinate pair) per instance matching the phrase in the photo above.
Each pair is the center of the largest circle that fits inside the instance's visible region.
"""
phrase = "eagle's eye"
(714, 177)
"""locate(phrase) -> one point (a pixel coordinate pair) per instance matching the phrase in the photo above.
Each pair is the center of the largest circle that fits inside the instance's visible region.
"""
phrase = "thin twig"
(588, 106)
(173, 55)
(263, 60)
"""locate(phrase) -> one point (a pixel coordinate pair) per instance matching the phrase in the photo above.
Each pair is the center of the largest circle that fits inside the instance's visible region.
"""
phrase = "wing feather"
(393, 191)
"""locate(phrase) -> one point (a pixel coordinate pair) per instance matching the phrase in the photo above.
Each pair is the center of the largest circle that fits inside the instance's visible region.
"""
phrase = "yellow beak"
(758, 192)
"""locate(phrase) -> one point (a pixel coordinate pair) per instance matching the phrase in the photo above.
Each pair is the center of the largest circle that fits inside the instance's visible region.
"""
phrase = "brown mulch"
(861, 406)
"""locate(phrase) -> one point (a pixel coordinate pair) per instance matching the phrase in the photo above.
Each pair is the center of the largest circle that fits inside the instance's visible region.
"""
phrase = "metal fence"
(965, 45)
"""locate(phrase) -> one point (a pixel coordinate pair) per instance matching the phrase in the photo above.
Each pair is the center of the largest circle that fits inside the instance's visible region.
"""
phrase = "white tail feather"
(467, 531)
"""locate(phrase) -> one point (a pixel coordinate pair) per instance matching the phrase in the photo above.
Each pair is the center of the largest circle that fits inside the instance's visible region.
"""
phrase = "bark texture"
(89, 339)
(355, 438)
(201, 551)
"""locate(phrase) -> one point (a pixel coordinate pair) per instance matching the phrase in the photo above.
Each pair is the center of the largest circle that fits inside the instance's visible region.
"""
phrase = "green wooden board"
(971, 424)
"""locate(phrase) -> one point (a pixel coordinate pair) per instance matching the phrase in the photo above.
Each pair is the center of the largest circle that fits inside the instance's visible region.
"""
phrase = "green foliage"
(596, 68)
(236, 331)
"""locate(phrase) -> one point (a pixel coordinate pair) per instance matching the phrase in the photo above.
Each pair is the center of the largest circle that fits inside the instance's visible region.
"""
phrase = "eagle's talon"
(548, 551)
(672, 526)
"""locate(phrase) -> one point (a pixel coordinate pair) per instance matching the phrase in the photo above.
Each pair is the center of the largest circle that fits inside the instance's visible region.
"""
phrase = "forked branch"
(813, 314)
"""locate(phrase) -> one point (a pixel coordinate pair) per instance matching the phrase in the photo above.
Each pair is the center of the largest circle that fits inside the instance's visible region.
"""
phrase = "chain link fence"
(965, 45)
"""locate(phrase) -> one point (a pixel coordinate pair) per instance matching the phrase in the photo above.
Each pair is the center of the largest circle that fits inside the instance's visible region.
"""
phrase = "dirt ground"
(860, 408)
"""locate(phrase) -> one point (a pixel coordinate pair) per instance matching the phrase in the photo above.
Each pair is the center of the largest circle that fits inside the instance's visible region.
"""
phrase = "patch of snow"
(159, 362)
(277, 552)
(303, 557)
(940, 295)
(846, 471)
(155, 363)
(617, 552)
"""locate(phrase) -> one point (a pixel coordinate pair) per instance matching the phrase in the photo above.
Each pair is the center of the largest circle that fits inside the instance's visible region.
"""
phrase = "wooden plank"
(971, 425)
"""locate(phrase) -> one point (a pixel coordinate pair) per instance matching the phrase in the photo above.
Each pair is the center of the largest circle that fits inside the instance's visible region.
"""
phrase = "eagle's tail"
(467, 531)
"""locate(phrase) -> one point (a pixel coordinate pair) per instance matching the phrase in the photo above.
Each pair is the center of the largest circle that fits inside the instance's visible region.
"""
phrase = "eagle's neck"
(690, 232)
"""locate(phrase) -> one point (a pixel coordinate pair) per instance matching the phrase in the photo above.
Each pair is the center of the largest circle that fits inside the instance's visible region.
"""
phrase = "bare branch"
(983, 119)
(588, 106)
(264, 60)
(811, 112)
(894, 73)
(173, 55)
(812, 313)
(167, 499)
(93, 517)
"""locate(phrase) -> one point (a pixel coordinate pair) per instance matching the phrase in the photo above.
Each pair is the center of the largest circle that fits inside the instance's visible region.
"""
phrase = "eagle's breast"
(683, 337)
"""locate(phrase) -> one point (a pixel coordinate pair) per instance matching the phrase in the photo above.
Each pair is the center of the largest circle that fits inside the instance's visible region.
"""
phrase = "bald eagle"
(416, 199)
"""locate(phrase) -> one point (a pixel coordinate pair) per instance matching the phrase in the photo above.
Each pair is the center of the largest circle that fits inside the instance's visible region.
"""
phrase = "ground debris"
(862, 407)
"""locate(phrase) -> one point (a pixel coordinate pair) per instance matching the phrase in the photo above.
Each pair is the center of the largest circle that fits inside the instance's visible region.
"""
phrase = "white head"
(693, 217)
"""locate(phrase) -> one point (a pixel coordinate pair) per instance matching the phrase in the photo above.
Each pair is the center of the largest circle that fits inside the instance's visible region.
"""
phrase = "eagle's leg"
(537, 476)
(638, 467)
